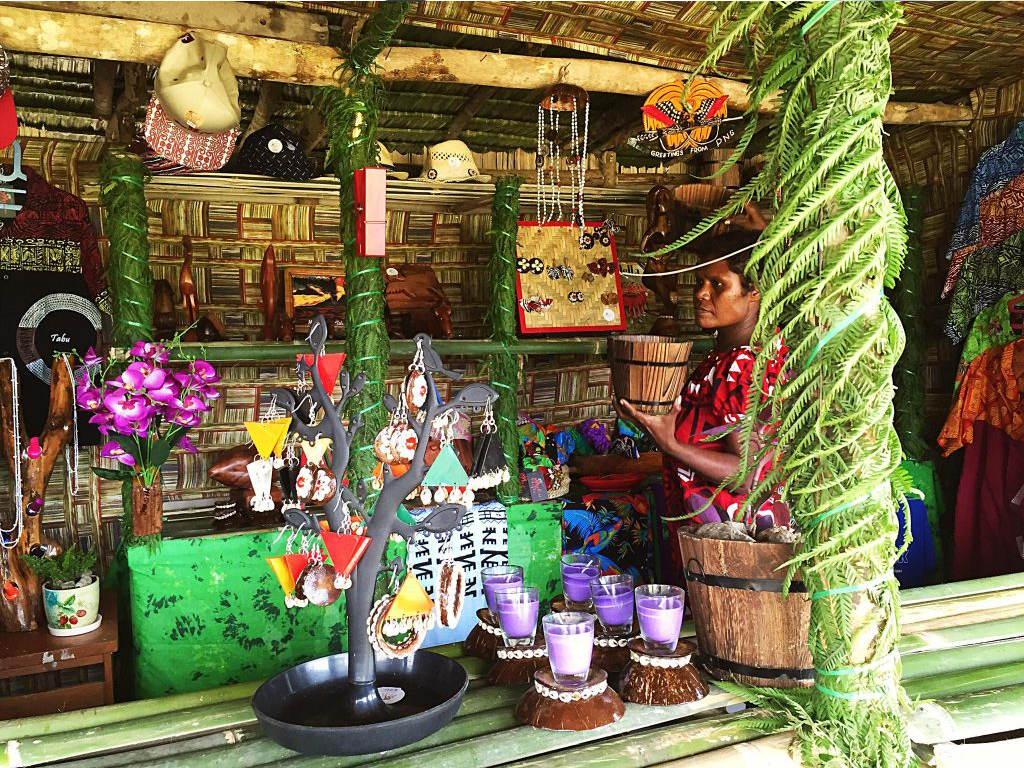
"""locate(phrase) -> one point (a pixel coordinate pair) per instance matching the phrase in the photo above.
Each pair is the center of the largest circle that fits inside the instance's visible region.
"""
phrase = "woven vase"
(147, 507)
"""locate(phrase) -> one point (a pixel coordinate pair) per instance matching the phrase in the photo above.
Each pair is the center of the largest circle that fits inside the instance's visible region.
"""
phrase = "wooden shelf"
(454, 197)
(284, 352)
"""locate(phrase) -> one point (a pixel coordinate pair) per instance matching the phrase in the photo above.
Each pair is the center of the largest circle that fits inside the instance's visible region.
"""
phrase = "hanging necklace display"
(451, 586)
(9, 537)
(398, 623)
(489, 466)
(572, 100)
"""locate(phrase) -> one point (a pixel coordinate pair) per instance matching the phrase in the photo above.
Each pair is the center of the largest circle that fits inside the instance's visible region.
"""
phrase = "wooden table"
(33, 653)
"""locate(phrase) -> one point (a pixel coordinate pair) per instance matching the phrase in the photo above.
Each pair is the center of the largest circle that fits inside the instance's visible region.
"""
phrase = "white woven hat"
(197, 87)
(384, 158)
(450, 161)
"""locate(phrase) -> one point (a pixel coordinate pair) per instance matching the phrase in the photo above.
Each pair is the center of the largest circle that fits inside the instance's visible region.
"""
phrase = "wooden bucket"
(746, 632)
(648, 371)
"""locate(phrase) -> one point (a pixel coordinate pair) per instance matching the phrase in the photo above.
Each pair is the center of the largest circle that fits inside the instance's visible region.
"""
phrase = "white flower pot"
(72, 611)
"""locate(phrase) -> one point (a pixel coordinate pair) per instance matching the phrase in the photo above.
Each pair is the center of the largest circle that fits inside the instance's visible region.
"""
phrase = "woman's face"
(719, 299)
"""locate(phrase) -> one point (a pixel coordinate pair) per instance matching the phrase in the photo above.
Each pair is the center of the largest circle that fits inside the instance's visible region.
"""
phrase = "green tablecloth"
(207, 611)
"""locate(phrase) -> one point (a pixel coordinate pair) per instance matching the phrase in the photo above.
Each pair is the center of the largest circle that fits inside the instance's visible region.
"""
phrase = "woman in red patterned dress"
(714, 399)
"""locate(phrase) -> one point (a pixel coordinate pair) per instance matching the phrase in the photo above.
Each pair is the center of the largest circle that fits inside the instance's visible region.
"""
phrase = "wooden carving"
(187, 286)
(553, 714)
(268, 290)
(165, 319)
(25, 612)
(645, 682)
(229, 468)
(661, 230)
(415, 296)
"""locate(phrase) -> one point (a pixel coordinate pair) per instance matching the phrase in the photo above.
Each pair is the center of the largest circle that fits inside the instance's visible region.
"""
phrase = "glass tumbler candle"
(613, 601)
(570, 639)
(496, 576)
(659, 607)
(577, 571)
(517, 614)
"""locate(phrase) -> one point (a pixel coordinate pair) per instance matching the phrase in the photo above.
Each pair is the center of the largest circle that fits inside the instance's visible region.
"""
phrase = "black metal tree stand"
(332, 705)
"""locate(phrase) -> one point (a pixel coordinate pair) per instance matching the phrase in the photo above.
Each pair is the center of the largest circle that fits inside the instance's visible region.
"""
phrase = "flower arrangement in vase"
(146, 410)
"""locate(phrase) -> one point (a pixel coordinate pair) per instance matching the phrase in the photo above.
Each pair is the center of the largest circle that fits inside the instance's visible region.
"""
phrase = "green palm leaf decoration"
(837, 241)
(351, 113)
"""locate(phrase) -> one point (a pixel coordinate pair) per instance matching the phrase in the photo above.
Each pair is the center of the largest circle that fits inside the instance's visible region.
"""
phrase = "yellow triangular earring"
(268, 436)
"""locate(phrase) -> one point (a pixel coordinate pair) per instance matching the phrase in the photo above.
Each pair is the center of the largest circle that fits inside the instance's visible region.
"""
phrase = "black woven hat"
(274, 151)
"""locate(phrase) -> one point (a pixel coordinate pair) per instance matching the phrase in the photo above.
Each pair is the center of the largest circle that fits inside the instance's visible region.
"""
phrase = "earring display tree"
(333, 705)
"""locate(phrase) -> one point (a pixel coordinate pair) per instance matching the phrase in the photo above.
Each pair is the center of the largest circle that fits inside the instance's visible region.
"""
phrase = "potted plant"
(146, 410)
(71, 591)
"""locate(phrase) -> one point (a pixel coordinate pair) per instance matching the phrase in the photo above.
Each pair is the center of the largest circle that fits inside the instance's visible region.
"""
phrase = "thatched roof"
(943, 50)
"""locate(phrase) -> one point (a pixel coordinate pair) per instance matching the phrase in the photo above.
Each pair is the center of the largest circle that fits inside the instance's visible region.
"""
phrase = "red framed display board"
(563, 285)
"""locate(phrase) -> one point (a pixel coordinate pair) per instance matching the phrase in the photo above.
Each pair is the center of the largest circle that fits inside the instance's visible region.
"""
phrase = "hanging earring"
(261, 475)
(416, 383)
(451, 587)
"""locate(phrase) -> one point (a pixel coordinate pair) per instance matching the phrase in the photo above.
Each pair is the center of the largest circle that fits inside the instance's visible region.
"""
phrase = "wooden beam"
(266, 103)
(472, 105)
(240, 18)
(95, 37)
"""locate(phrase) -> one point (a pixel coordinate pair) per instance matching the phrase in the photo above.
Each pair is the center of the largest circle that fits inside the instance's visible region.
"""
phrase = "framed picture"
(314, 289)
(567, 281)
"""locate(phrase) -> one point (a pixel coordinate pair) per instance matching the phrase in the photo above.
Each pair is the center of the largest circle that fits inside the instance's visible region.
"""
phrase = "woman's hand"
(661, 429)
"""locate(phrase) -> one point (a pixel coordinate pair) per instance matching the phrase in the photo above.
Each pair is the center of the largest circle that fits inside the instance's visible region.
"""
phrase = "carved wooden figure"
(268, 290)
(25, 612)
(414, 294)
(187, 287)
(165, 319)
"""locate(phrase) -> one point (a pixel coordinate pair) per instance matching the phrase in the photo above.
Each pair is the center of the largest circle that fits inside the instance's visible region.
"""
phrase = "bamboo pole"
(941, 612)
(998, 753)
(767, 752)
(650, 747)
(962, 682)
(968, 715)
(145, 42)
(953, 637)
(967, 658)
(960, 589)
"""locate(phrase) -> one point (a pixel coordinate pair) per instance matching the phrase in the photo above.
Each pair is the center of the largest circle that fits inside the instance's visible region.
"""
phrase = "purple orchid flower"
(127, 406)
(152, 377)
(209, 393)
(183, 418)
(167, 393)
(192, 402)
(89, 398)
(203, 372)
(147, 350)
(103, 421)
(186, 445)
(130, 427)
(112, 450)
(91, 359)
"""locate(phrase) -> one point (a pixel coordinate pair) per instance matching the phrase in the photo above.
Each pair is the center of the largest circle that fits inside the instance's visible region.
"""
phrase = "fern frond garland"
(909, 305)
(503, 367)
(835, 244)
(351, 112)
(122, 180)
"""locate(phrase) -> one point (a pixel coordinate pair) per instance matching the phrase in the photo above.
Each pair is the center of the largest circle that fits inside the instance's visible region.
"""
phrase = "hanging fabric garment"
(991, 328)
(998, 166)
(988, 535)
(991, 393)
(987, 274)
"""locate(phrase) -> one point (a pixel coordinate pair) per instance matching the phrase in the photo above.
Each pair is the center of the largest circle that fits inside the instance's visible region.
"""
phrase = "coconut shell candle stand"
(556, 707)
(485, 638)
(662, 678)
(517, 666)
(332, 705)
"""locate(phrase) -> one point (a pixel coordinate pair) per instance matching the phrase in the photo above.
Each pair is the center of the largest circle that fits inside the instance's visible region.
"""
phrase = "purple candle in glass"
(577, 571)
(517, 614)
(659, 607)
(499, 575)
(570, 639)
(613, 601)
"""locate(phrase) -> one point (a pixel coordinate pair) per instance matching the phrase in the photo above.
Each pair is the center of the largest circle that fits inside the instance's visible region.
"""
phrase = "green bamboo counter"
(971, 670)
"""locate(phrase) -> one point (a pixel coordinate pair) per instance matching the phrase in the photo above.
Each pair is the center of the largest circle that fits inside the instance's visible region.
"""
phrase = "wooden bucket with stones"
(746, 631)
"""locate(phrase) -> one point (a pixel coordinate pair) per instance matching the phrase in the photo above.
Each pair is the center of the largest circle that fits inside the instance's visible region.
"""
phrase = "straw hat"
(384, 159)
(450, 161)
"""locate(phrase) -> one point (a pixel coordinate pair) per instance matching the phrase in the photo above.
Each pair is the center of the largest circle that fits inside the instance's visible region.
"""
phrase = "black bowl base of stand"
(516, 666)
(485, 637)
(557, 707)
(301, 708)
(610, 652)
(661, 678)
